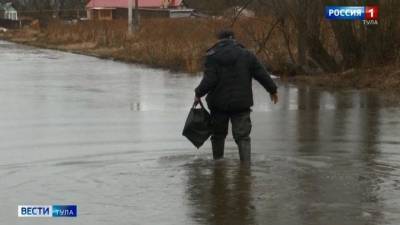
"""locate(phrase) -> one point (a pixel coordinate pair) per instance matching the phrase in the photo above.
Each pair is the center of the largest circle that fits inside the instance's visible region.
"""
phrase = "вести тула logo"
(368, 14)
(47, 211)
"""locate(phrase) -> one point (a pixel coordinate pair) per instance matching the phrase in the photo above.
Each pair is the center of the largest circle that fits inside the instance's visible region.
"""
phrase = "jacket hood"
(227, 52)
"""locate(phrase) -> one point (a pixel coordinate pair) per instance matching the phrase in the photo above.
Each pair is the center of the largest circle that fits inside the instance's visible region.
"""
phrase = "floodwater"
(106, 136)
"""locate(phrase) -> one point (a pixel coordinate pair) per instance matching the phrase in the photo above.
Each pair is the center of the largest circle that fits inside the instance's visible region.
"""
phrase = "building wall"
(143, 13)
(11, 15)
(154, 13)
(122, 13)
(8, 14)
(100, 14)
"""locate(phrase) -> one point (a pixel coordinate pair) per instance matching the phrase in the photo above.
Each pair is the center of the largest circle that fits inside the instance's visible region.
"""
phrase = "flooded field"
(106, 136)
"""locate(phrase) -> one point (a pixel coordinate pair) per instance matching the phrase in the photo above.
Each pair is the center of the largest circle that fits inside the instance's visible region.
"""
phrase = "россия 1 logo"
(47, 211)
(368, 14)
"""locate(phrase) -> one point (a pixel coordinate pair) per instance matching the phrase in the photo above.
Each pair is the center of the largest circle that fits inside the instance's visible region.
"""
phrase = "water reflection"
(345, 192)
(308, 120)
(220, 194)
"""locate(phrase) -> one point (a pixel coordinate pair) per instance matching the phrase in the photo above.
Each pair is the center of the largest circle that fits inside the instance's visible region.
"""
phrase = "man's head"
(225, 34)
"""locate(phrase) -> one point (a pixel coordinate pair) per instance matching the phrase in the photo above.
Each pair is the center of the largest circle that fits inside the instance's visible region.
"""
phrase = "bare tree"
(50, 8)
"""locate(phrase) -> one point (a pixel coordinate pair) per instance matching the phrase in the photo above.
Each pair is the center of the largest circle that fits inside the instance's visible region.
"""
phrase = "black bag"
(198, 126)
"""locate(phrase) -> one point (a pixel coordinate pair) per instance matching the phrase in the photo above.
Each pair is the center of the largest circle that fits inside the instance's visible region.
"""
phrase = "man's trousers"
(241, 128)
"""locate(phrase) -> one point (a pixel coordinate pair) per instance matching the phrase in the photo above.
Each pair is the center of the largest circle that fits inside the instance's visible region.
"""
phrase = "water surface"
(107, 136)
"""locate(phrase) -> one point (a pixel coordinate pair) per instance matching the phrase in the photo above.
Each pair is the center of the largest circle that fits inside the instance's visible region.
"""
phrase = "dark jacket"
(227, 79)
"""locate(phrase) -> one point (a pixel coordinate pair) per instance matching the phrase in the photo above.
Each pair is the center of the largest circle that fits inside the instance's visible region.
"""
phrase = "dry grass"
(180, 44)
(177, 44)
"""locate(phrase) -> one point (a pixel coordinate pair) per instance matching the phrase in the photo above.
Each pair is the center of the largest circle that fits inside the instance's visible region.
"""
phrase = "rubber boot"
(218, 148)
(244, 150)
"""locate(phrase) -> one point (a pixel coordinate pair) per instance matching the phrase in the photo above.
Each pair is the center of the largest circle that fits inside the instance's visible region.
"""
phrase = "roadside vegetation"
(176, 44)
(296, 45)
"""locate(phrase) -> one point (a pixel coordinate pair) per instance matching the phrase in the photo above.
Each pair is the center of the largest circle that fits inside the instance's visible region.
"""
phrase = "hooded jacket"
(229, 69)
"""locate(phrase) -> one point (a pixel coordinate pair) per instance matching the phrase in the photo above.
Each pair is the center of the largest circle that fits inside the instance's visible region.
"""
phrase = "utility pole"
(133, 23)
(130, 16)
(136, 16)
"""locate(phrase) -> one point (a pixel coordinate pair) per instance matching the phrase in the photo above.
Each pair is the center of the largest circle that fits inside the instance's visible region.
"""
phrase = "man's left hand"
(274, 98)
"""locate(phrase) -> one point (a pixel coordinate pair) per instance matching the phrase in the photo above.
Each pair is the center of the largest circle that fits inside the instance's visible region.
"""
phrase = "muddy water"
(106, 136)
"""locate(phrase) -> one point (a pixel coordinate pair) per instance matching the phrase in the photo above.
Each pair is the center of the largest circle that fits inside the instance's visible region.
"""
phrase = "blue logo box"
(345, 12)
(64, 211)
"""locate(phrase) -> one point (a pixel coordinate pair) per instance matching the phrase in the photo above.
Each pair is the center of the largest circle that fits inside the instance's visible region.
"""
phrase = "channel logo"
(367, 14)
(47, 211)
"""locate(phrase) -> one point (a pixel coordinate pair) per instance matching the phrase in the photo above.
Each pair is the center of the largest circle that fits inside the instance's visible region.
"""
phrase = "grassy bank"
(385, 78)
(180, 45)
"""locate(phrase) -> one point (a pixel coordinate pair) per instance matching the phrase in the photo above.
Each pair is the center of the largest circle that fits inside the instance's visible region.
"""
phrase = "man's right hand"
(196, 100)
(274, 98)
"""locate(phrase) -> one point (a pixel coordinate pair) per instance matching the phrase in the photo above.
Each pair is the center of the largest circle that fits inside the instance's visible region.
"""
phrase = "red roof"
(124, 3)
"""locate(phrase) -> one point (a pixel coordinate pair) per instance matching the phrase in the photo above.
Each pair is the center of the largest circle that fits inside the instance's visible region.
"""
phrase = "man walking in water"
(227, 81)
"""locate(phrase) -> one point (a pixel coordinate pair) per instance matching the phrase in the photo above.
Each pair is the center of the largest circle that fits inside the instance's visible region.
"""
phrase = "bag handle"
(199, 102)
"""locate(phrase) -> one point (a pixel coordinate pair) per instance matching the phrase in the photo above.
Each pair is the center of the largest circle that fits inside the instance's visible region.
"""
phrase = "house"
(118, 9)
(8, 12)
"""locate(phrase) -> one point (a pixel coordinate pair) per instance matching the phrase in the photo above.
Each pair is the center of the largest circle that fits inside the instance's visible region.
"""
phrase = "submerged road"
(106, 136)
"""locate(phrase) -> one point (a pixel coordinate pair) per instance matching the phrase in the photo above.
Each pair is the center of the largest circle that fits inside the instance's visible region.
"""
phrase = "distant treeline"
(45, 9)
(312, 41)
